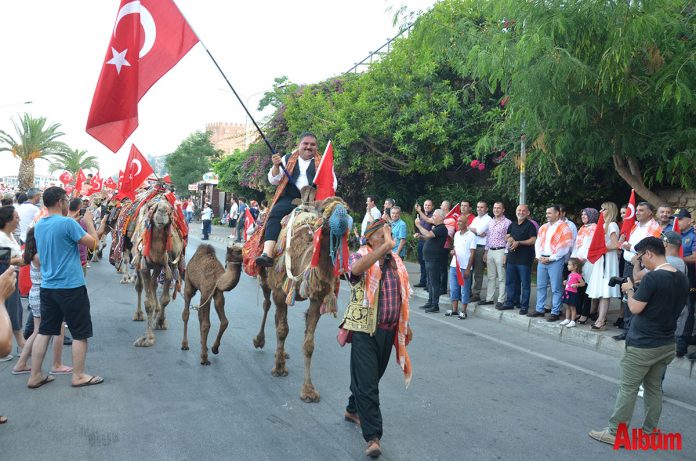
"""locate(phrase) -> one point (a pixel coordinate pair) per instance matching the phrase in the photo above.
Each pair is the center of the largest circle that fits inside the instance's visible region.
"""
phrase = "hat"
(682, 213)
(374, 227)
(672, 238)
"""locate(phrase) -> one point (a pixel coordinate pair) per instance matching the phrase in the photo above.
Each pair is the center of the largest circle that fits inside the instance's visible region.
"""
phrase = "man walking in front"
(63, 291)
(650, 347)
(553, 243)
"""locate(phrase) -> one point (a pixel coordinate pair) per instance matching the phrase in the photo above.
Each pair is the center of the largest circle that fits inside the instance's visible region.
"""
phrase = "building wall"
(227, 136)
(40, 181)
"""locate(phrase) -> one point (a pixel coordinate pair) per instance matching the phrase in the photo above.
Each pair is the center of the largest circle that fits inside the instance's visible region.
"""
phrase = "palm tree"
(72, 160)
(34, 140)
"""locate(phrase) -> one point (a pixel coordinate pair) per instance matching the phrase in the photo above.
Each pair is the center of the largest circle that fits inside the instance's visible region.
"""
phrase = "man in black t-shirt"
(434, 254)
(650, 344)
(519, 258)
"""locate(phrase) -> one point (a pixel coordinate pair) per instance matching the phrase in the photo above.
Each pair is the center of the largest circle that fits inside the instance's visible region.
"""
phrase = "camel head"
(161, 214)
(234, 254)
(233, 269)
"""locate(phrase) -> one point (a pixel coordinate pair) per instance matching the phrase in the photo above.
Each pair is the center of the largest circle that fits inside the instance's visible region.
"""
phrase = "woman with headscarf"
(589, 219)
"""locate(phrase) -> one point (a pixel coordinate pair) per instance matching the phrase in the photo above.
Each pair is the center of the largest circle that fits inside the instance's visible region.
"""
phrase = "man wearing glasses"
(650, 347)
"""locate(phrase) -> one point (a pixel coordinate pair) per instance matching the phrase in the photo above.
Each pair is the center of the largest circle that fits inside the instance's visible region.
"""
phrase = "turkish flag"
(97, 184)
(81, 178)
(451, 224)
(109, 183)
(69, 189)
(630, 219)
(675, 228)
(136, 172)
(598, 244)
(249, 223)
(167, 179)
(66, 177)
(148, 39)
(325, 177)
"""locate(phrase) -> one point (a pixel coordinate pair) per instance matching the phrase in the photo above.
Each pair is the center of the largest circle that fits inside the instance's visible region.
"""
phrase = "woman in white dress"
(589, 218)
(606, 267)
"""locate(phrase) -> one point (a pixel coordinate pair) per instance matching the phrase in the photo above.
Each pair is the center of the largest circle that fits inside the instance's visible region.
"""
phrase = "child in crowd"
(570, 295)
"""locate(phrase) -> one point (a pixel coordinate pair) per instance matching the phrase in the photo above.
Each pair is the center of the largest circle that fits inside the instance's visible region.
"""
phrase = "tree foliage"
(191, 160)
(72, 160)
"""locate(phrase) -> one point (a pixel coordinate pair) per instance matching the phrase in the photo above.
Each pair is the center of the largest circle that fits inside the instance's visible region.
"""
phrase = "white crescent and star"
(630, 212)
(140, 167)
(118, 58)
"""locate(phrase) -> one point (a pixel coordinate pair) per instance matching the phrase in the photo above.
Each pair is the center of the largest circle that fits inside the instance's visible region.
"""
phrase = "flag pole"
(273, 152)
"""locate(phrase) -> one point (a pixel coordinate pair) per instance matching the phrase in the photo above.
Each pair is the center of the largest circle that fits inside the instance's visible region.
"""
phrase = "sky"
(53, 53)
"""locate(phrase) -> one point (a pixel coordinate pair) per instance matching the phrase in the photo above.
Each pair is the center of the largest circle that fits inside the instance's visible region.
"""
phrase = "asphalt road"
(481, 391)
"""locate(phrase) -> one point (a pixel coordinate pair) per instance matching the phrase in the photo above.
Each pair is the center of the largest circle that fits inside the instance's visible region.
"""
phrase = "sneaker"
(462, 316)
(373, 448)
(432, 310)
(603, 436)
(504, 307)
(451, 313)
(565, 322)
(7, 358)
(523, 312)
(485, 303)
(570, 324)
(424, 306)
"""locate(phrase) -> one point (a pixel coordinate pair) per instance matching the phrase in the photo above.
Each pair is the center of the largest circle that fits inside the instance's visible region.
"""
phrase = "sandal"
(581, 322)
(462, 315)
(3, 419)
(601, 327)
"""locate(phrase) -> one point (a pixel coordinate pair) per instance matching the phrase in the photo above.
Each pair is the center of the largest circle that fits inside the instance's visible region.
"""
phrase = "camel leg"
(189, 291)
(220, 309)
(281, 321)
(204, 321)
(260, 338)
(308, 393)
(149, 281)
(164, 300)
(138, 316)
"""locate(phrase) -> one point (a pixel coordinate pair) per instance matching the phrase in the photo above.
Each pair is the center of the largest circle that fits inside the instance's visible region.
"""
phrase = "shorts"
(69, 304)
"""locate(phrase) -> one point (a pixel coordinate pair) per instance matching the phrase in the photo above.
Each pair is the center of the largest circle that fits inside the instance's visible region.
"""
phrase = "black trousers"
(421, 261)
(369, 357)
(434, 271)
(627, 314)
(444, 275)
(684, 336)
(281, 209)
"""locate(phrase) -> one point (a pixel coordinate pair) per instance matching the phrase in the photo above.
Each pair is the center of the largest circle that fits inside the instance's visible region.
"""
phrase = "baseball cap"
(672, 238)
(682, 213)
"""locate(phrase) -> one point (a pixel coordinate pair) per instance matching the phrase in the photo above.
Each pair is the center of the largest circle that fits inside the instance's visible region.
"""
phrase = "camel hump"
(205, 249)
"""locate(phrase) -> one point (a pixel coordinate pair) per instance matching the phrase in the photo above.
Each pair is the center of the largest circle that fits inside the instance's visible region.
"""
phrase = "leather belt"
(497, 248)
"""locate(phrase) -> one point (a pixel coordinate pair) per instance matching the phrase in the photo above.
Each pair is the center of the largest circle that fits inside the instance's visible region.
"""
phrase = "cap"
(374, 227)
(672, 238)
(682, 213)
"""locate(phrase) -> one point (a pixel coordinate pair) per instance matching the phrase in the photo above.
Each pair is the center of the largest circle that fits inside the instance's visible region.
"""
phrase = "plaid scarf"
(403, 332)
(561, 238)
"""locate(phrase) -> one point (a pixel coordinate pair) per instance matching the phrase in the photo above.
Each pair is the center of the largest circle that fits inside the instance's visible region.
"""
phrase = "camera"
(617, 281)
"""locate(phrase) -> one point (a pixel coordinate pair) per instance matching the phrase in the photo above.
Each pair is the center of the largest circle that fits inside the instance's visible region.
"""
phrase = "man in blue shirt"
(63, 291)
(399, 231)
(688, 237)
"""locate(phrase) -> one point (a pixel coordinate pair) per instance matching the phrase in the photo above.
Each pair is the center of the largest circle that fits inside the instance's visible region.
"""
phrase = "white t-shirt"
(234, 209)
(463, 244)
(27, 213)
(207, 214)
(10, 242)
(372, 216)
(481, 223)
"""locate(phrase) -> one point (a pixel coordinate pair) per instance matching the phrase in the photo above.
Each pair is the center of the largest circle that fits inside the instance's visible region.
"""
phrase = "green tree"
(592, 83)
(191, 160)
(72, 160)
(34, 140)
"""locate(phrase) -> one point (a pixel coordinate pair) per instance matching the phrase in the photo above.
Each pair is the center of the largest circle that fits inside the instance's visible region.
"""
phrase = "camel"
(121, 245)
(158, 249)
(318, 284)
(204, 273)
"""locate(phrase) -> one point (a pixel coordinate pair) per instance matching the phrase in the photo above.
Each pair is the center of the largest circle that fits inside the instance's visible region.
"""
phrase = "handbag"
(359, 315)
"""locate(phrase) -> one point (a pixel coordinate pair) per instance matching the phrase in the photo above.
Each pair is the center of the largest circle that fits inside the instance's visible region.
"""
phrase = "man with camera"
(650, 346)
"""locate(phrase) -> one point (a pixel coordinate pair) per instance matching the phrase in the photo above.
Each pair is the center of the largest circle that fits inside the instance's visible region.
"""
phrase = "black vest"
(291, 190)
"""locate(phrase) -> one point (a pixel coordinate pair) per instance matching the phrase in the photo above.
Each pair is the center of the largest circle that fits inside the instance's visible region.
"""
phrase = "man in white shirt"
(304, 163)
(372, 214)
(479, 226)
(27, 212)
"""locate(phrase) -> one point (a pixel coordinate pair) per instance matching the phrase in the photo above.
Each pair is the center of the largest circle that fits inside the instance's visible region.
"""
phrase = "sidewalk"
(582, 335)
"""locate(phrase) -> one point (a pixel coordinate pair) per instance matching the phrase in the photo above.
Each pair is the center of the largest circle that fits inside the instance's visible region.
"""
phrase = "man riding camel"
(302, 166)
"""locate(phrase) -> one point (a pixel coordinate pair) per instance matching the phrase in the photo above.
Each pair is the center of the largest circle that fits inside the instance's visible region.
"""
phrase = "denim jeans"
(518, 284)
(457, 292)
(550, 274)
(434, 270)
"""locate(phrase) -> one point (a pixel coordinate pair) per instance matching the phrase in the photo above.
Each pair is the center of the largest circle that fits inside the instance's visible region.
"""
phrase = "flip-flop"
(62, 371)
(94, 380)
(3, 419)
(21, 372)
(46, 380)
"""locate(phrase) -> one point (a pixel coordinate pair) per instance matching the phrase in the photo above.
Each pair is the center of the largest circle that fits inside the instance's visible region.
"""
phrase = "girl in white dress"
(606, 267)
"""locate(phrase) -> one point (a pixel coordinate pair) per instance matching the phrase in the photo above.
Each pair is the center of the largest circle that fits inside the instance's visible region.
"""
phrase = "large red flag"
(630, 219)
(109, 183)
(675, 228)
(249, 223)
(66, 178)
(135, 173)
(598, 245)
(80, 181)
(325, 176)
(148, 39)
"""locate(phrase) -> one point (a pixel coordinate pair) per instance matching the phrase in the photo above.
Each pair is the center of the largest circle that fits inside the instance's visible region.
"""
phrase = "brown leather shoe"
(373, 448)
(352, 418)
